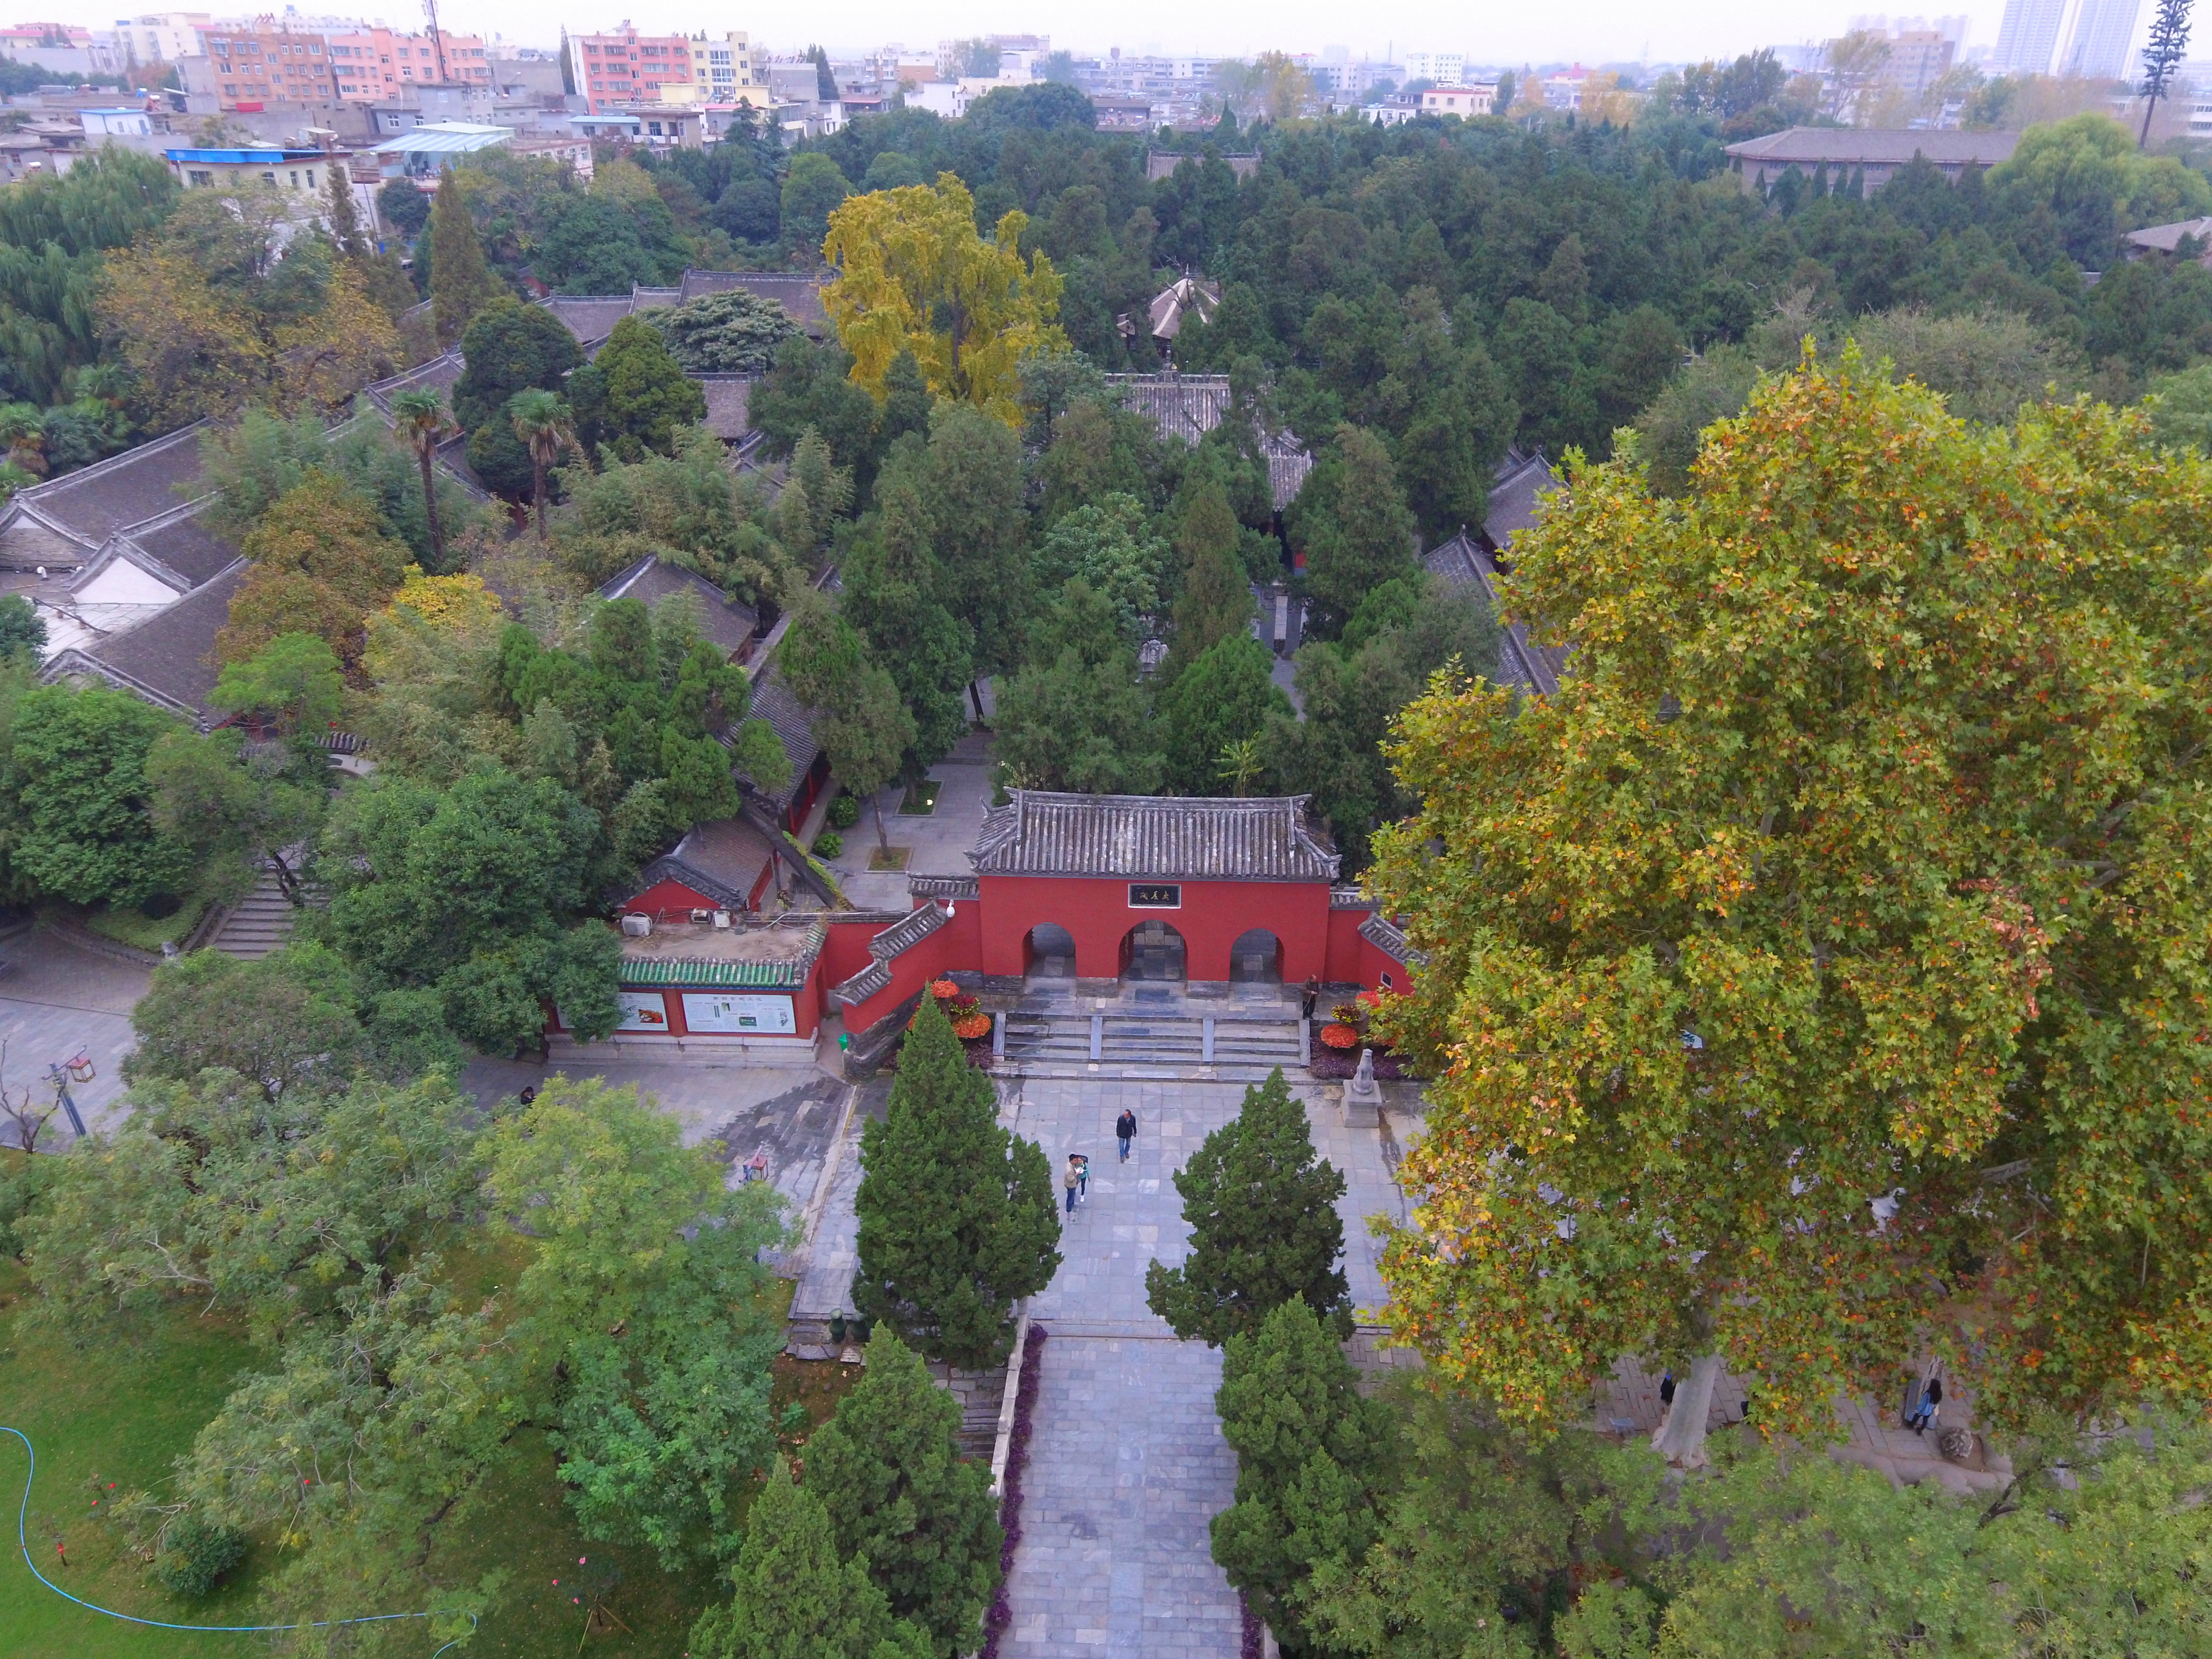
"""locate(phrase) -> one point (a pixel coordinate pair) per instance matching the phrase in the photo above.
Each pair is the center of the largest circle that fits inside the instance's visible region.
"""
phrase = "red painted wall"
(1096, 911)
(670, 900)
(955, 947)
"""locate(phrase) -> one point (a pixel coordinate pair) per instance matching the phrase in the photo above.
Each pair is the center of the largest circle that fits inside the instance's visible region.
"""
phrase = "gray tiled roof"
(437, 374)
(93, 503)
(2164, 239)
(1187, 407)
(187, 546)
(590, 317)
(1390, 939)
(1464, 563)
(652, 579)
(169, 658)
(722, 858)
(1851, 147)
(788, 718)
(729, 398)
(1044, 833)
(799, 293)
(894, 941)
(1524, 477)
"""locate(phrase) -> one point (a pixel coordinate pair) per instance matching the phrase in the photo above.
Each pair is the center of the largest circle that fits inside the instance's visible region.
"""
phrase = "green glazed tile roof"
(714, 972)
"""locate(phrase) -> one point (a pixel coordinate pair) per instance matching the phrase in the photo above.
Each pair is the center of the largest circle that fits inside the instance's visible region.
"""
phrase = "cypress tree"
(343, 216)
(887, 1468)
(461, 283)
(796, 1598)
(1225, 697)
(1217, 599)
(956, 1215)
(1264, 1225)
(1358, 530)
(1311, 1454)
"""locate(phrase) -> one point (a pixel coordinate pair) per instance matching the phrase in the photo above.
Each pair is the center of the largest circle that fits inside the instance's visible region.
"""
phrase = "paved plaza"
(58, 999)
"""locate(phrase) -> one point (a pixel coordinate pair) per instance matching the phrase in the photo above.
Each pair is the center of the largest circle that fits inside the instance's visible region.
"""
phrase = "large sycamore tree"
(1821, 977)
(914, 274)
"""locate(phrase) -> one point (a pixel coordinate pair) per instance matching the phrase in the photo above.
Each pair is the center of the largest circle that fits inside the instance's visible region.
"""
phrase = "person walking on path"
(1308, 996)
(1931, 1406)
(1125, 1131)
(1068, 1179)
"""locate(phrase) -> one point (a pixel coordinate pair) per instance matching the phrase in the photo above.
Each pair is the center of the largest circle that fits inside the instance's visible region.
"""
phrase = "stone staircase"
(260, 922)
(1246, 1043)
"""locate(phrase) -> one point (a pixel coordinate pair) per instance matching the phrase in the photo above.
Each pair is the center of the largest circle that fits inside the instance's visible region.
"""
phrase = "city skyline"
(1595, 31)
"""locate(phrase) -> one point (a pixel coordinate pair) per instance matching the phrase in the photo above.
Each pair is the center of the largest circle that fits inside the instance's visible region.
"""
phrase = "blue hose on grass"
(23, 1542)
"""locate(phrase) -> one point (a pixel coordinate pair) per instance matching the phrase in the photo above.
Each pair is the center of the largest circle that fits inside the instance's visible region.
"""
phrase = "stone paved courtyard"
(1127, 1465)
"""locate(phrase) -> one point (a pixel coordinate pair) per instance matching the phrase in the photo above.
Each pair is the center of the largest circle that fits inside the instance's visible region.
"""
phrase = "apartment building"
(623, 68)
(1466, 102)
(375, 65)
(166, 37)
(730, 70)
(1446, 68)
(253, 66)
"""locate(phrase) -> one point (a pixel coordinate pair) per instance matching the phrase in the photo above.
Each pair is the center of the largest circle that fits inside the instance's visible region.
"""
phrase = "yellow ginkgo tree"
(914, 274)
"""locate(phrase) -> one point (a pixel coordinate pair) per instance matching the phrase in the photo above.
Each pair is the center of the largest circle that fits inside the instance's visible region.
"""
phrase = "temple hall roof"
(1044, 833)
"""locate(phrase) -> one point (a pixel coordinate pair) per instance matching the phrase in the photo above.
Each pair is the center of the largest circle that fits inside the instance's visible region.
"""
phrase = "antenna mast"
(437, 41)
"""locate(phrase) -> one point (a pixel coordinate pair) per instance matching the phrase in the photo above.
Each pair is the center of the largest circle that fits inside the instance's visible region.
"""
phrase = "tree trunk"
(883, 835)
(537, 495)
(430, 509)
(976, 697)
(1681, 1437)
(2142, 142)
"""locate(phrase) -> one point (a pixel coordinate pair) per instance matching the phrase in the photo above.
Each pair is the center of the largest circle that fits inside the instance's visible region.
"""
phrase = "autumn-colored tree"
(207, 318)
(321, 564)
(1819, 978)
(915, 276)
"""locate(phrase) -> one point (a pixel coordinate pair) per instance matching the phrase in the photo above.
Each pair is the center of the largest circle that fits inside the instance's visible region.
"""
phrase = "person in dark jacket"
(1125, 1131)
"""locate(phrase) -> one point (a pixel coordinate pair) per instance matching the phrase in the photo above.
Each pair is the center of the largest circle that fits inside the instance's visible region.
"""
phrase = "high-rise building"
(1918, 59)
(622, 68)
(2028, 37)
(2104, 31)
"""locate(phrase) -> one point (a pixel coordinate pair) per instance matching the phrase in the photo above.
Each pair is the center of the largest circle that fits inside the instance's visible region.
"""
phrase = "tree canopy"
(1815, 977)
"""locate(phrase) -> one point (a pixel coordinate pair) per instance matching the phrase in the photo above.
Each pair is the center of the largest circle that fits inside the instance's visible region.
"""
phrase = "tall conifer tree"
(461, 283)
(956, 1215)
(1310, 1455)
(1264, 1225)
(796, 1598)
(887, 1468)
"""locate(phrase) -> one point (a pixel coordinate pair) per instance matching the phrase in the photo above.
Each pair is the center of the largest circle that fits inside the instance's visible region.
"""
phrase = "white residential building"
(1446, 68)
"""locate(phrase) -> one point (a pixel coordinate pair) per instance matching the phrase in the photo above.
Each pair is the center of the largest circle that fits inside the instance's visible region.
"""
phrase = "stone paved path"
(1127, 1465)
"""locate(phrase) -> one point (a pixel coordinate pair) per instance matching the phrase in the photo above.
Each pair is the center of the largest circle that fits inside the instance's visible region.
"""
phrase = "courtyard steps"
(1246, 1045)
(257, 924)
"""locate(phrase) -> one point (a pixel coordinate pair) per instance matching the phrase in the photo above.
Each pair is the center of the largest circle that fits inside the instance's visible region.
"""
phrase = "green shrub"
(829, 844)
(197, 1553)
(844, 812)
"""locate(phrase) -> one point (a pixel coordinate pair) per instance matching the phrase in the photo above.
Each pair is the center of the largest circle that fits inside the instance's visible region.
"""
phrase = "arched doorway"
(1153, 951)
(1257, 958)
(1048, 952)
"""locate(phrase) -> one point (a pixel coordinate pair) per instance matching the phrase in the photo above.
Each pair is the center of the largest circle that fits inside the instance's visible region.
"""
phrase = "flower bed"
(1002, 1614)
(1330, 1062)
(972, 1026)
(1340, 1037)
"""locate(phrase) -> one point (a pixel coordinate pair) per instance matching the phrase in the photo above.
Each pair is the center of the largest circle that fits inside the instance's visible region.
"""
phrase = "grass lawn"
(122, 1412)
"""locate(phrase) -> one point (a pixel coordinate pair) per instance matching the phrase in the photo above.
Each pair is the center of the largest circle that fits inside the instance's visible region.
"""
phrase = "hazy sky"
(1595, 30)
